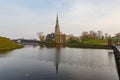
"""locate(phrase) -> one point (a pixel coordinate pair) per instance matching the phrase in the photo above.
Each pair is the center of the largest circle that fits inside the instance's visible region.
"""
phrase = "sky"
(25, 18)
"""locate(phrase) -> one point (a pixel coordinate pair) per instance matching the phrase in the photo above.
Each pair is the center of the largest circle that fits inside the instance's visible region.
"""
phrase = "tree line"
(97, 35)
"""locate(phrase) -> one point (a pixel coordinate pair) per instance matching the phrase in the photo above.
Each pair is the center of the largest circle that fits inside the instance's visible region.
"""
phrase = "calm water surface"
(35, 63)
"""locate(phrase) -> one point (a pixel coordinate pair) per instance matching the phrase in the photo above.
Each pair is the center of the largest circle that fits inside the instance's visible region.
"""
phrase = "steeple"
(58, 35)
(57, 27)
(57, 21)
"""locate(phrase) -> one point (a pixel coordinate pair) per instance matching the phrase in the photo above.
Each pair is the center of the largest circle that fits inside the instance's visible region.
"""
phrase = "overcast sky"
(24, 18)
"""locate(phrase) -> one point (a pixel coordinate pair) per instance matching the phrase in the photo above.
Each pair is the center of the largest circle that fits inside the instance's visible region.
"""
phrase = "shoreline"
(9, 49)
(89, 46)
(85, 46)
(6, 44)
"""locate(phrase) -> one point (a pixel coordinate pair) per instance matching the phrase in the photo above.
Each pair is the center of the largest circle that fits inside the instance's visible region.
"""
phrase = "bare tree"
(117, 35)
(41, 36)
(85, 35)
(99, 33)
(106, 35)
(93, 34)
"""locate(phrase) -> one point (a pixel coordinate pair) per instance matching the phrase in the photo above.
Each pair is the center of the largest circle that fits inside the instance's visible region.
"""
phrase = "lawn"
(99, 44)
(96, 42)
(7, 44)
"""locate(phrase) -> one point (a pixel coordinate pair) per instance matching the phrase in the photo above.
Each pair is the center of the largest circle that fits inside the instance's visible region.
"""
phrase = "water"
(35, 63)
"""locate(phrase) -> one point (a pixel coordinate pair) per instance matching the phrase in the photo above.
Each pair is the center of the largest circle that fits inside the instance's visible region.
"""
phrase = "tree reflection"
(41, 46)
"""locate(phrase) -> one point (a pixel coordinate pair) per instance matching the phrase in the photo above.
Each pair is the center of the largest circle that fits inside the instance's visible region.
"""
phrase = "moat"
(37, 63)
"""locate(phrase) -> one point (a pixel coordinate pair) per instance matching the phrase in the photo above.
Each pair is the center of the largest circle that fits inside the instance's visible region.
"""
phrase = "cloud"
(20, 21)
(86, 16)
(22, 18)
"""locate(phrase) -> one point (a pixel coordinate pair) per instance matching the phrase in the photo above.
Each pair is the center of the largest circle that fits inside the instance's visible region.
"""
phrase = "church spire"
(57, 27)
(57, 21)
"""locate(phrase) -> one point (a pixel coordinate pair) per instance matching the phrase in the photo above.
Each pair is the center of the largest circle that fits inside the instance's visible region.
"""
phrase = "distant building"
(57, 37)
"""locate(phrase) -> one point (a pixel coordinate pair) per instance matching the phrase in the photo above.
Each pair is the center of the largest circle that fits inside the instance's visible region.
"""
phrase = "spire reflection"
(57, 58)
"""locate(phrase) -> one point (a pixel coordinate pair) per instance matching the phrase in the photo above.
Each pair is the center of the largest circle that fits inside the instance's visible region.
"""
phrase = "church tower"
(57, 32)
(57, 27)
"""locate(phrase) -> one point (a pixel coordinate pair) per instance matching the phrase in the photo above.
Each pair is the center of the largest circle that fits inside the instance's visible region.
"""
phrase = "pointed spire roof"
(57, 27)
(57, 21)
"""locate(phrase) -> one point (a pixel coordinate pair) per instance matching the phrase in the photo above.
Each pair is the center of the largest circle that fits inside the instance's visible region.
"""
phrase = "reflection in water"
(42, 46)
(34, 46)
(111, 59)
(117, 59)
(57, 59)
(45, 63)
(5, 53)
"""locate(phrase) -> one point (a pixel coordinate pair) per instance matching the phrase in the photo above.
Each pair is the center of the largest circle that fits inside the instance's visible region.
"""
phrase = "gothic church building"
(57, 37)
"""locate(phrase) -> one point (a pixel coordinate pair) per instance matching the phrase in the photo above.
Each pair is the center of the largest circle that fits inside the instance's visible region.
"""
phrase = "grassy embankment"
(97, 44)
(6, 44)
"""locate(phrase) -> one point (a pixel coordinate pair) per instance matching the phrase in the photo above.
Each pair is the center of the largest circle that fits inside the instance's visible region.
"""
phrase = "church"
(57, 37)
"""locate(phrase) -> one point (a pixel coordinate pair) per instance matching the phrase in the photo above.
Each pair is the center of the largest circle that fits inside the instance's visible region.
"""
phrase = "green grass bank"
(6, 44)
(95, 44)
